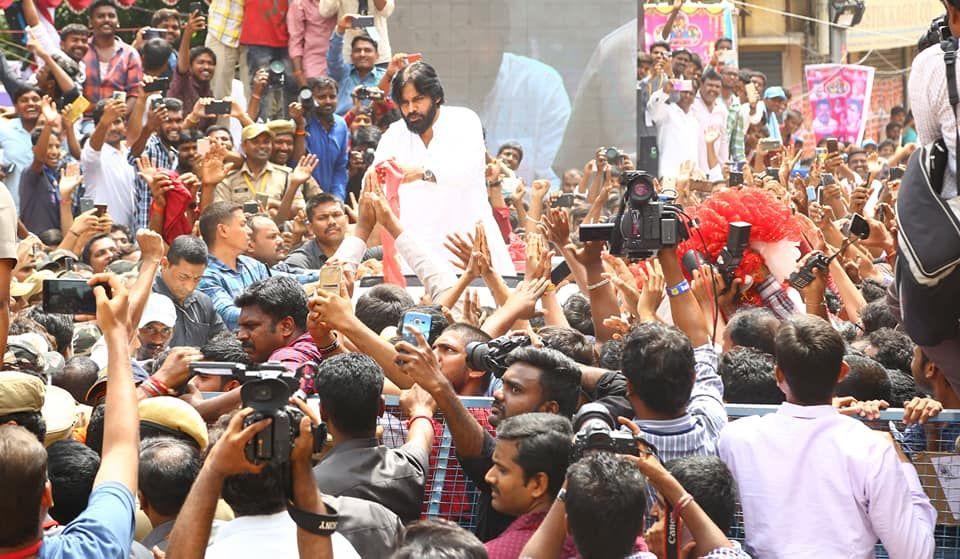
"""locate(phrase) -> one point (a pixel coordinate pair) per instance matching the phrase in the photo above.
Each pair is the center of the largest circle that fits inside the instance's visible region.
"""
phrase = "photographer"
(362, 70)
(327, 137)
(363, 140)
(195, 67)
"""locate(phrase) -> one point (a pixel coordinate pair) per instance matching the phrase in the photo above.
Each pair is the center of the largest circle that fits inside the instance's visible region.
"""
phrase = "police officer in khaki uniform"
(258, 179)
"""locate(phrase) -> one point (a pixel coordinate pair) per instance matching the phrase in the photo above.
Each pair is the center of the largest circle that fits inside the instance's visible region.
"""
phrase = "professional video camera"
(267, 389)
(596, 430)
(939, 31)
(644, 224)
(492, 356)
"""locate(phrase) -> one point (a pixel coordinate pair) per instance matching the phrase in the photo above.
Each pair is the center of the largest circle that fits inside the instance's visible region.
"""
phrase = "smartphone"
(859, 226)
(682, 85)
(361, 22)
(101, 209)
(330, 278)
(565, 200)
(264, 200)
(559, 273)
(86, 204)
(152, 33)
(69, 296)
(812, 195)
(415, 57)
(826, 179)
(509, 185)
(76, 109)
(418, 320)
(217, 108)
(251, 208)
(196, 7)
(692, 260)
(119, 96)
(158, 84)
(770, 144)
(203, 146)
(832, 146)
(896, 173)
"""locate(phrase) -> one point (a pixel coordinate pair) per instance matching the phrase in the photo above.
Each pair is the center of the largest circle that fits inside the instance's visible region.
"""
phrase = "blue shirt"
(347, 76)
(332, 149)
(104, 529)
(223, 284)
(18, 150)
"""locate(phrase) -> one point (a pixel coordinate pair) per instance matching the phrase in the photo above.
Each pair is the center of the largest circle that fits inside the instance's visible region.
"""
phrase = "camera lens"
(641, 189)
(305, 94)
(277, 67)
(612, 154)
(262, 393)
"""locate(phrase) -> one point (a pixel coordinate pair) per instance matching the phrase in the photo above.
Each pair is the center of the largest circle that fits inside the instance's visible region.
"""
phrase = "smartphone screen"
(101, 209)
(69, 296)
(203, 146)
(159, 84)
(119, 96)
(811, 194)
(218, 108)
(362, 21)
(419, 321)
(832, 145)
(86, 204)
(859, 226)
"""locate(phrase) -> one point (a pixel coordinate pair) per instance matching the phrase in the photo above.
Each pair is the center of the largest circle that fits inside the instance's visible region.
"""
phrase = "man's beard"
(425, 122)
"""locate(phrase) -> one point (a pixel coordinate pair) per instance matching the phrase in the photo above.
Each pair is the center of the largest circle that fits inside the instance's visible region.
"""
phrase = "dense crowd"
(209, 296)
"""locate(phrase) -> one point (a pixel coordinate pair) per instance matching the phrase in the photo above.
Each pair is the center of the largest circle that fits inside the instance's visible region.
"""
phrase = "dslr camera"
(643, 225)
(938, 31)
(276, 74)
(596, 430)
(372, 93)
(491, 356)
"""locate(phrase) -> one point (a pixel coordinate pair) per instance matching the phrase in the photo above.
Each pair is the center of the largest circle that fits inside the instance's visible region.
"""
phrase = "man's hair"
(569, 342)
(24, 90)
(468, 333)
(74, 29)
(711, 75)
(424, 79)
(659, 364)
(30, 420)
(37, 132)
(559, 376)
(23, 476)
(251, 494)
(216, 128)
(101, 3)
(60, 326)
(576, 309)
(225, 348)
(903, 387)
(887, 142)
(748, 377)
(213, 216)
(511, 144)
(854, 150)
(867, 380)
(360, 37)
(162, 15)
(72, 467)
(544, 443)
(438, 539)
(278, 297)
(168, 468)
(898, 110)
(894, 349)
(606, 505)
(188, 248)
(438, 322)
(323, 82)
(872, 289)
(810, 354)
(88, 248)
(662, 44)
(78, 375)
(320, 200)
(172, 104)
(382, 306)
(366, 136)
(891, 125)
(197, 51)
(709, 481)
(754, 327)
(611, 354)
(761, 75)
(350, 385)
(716, 44)
(877, 315)
(155, 53)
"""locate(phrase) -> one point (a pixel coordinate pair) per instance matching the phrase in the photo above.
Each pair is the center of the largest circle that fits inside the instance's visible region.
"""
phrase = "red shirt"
(301, 351)
(509, 544)
(265, 23)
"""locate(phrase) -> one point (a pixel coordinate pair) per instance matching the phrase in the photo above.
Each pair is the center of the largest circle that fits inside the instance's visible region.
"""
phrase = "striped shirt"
(163, 157)
(124, 73)
(695, 433)
(224, 21)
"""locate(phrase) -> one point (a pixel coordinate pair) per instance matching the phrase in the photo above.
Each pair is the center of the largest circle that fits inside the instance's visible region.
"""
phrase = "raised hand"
(151, 244)
(556, 227)
(304, 169)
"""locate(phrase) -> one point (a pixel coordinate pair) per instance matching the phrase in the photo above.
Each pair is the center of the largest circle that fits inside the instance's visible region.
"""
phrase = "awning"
(889, 24)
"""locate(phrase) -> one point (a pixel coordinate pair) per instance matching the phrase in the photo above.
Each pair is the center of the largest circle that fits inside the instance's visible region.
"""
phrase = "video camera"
(938, 31)
(644, 224)
(491, 356)
(596, 430)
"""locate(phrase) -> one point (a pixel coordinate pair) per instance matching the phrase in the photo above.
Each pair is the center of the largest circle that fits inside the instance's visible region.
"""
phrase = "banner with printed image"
(696, 28)
(839, 97)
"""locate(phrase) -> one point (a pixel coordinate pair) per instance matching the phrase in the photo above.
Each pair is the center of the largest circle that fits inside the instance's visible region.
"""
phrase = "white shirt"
(814, 483)
(429, 211)
(715, 119)
(269, 535)
(109, 180)
(528, 104)
(678, 133)
(930, 103)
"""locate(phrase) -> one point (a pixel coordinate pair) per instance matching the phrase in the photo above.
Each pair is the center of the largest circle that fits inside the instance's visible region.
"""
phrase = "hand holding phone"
(70, 296)
(360, 22)
(331, 277)
(217, 108)
(419, 321)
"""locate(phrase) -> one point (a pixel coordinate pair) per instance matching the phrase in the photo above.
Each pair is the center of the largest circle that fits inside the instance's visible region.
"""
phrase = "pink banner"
(696, 27)
(838, 95)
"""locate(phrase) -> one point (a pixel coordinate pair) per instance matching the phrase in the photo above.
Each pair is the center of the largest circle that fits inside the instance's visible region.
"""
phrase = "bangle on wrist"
(681, 504)
(416, 417)
(598, 285)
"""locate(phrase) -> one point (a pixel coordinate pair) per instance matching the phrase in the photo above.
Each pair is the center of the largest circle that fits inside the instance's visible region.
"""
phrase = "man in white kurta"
(457, 198)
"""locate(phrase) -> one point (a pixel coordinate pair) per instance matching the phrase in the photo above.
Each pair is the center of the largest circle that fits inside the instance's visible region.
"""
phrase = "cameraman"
(327, 137)
(364, 138)
(536, 380)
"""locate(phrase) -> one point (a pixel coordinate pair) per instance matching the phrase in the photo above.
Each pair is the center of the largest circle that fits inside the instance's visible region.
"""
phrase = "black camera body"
(644, 224)
(372, 93)
(491, 356)
(596, 431)
(276, 74)
(738, 238)
(804, 276)
(938, 31)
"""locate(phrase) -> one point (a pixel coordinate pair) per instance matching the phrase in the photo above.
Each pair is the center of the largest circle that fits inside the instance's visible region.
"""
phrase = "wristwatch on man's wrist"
(429, 176)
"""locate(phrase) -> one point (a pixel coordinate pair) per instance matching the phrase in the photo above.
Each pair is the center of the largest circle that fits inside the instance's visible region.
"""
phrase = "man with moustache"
(327, 137)
(440, 150)
(327, 221)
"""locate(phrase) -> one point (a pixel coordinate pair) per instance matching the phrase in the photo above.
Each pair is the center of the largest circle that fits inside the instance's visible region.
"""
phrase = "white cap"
(160, 309)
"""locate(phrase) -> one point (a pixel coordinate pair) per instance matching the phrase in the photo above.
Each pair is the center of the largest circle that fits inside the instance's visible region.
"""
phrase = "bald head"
(77, 376)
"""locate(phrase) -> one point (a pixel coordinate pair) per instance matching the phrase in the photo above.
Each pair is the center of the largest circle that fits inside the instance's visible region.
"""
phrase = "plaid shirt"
(224, 21)
(735, 130)
(163, 157)
(124, 73)
(776, 299)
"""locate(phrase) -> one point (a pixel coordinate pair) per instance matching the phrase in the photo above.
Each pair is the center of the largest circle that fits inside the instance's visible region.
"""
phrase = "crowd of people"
(209, 295)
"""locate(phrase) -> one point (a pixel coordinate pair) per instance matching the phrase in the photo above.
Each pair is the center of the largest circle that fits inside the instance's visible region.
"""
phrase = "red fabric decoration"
(390, 176)
(771, 222)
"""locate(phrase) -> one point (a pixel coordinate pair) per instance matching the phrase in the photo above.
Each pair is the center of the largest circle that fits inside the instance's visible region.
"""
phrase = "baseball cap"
(20, 392)
(26, 351)
(60, 413)
(32, 285)
(56, 259)
(251, 131)
(160, 309)
(173, 415)
(282, 127)
(121, 266)
(775, 92)
(85, 335)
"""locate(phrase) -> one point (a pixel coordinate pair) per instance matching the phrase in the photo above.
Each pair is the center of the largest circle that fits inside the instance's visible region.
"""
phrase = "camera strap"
(319, 524)
(949, 47)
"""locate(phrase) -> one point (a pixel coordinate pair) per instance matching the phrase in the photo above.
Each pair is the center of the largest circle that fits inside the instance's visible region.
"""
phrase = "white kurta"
(430, 211)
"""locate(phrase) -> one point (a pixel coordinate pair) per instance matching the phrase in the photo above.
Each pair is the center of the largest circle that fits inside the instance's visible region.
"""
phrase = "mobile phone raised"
(361, 22)
(330, 278)
(69, 296)
(420, 321)
(217, 108)
(158, 84)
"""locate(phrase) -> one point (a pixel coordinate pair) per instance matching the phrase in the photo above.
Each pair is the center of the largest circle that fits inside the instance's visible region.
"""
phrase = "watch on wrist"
(429, 176)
